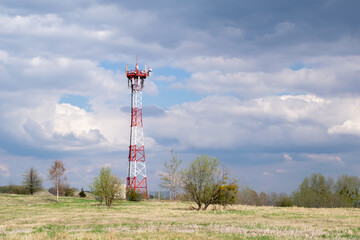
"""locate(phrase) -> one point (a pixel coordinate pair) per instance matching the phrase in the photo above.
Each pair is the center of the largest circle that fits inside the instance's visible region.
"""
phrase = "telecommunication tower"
(136, 179)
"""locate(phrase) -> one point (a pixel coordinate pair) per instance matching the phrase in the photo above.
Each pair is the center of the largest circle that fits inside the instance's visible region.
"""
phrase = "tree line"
(315, 191)
(106, 187)
(205, 181)
(32, 182)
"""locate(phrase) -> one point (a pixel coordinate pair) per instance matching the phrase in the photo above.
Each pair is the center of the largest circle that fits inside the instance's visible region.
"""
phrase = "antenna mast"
(137, 168)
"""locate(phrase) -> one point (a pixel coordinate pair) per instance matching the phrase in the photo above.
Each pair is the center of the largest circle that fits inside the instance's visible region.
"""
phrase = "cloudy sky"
(270, 88)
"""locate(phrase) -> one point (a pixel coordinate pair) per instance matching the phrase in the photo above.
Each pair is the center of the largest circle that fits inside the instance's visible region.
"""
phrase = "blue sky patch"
(169, 71)
(77, 100)
(297, 66)
(113, 66)
(170, 96)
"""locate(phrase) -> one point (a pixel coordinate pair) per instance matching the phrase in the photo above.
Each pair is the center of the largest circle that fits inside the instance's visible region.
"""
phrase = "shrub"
(284, 201)
(132, 195)
(82, 194)
(227, 194)
(14, 189)
(69, 192)
(53, 191)
(107, 186)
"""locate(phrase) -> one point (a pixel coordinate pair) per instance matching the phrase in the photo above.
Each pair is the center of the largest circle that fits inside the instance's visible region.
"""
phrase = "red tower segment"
(137, 169)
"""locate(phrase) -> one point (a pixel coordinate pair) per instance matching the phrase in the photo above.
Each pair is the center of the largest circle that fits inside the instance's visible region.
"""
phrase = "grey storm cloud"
(230, 28)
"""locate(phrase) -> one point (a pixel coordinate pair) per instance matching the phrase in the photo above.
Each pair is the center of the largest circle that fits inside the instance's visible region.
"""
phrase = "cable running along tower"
(137, 169)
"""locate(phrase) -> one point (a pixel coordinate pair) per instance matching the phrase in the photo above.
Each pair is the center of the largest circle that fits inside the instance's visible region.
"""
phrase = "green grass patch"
(350, 236)
(98, 229)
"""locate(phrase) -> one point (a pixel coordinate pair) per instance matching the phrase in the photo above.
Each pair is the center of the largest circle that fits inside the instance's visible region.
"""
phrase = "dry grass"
(40, 217)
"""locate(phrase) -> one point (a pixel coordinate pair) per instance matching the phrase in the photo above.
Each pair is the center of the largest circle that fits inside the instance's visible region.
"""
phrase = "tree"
(279, 200)
(316, 191)
(263, 199)
(248, 196)
(171, 179)
(56, 173)
(202, 181)
(32, 181)
(347, 188)
(283, 200)
(106, 186)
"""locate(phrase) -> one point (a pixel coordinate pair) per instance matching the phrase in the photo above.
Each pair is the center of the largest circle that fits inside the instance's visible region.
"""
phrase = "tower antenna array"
(136, 179)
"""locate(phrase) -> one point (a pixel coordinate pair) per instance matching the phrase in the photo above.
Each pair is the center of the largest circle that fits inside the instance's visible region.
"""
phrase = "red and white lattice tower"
(137, 169)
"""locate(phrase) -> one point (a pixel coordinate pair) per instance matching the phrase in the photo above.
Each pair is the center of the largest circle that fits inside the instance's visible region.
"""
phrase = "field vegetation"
(40, 216)
(211, 205)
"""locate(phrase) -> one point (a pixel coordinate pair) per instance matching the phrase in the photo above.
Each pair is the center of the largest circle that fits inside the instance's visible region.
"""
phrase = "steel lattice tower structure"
(137, 169)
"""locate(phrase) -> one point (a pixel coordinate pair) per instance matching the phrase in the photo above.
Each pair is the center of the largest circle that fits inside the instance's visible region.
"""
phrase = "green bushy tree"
(347, 188)
(203, 179)
(315, 191)
(106, 186)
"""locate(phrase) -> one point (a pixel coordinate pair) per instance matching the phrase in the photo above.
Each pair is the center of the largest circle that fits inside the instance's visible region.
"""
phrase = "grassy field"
(40, 217)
